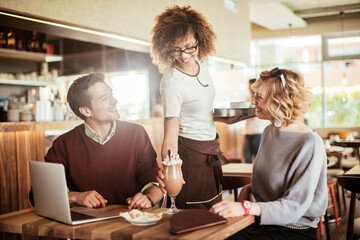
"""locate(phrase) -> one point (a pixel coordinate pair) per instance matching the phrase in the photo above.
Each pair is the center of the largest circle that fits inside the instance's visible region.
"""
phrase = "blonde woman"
(181, 41)
(289, 174)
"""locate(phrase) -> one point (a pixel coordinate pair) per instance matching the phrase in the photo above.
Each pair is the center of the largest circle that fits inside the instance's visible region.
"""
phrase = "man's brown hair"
(77, 94)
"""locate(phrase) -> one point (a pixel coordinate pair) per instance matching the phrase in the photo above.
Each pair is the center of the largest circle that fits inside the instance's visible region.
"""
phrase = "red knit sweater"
(117, 170)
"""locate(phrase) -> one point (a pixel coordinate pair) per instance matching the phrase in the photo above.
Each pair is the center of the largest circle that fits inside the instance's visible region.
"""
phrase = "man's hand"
(228, 209)
(139, 201)
(91, 199)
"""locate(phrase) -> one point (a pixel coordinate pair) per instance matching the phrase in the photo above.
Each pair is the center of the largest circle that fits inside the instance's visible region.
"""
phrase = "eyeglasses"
(176, 53)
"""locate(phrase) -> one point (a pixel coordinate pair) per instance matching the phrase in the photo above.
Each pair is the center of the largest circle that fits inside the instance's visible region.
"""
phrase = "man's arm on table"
(150, 196)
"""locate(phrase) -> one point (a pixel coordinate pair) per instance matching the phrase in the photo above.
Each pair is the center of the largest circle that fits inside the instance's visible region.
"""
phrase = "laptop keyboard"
(75, 216)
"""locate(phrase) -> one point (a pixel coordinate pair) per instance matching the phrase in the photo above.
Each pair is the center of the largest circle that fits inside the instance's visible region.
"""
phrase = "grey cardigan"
(289, 178)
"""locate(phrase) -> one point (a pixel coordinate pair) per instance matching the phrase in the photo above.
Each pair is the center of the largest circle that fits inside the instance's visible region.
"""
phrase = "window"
(342, 93)
(330, 66)
(131, 89)
(338, 47)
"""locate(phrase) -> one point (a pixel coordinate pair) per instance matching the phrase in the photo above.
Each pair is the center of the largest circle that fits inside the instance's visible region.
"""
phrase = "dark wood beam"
(63, 32)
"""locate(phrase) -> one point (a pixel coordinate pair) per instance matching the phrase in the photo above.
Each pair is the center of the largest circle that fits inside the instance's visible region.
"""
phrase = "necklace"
(206, 85)
(196, 75)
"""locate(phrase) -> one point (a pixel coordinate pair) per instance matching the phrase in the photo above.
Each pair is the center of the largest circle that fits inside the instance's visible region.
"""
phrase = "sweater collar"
(91, 133)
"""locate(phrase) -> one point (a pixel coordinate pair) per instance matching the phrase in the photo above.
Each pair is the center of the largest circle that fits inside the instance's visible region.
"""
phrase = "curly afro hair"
(171, 26)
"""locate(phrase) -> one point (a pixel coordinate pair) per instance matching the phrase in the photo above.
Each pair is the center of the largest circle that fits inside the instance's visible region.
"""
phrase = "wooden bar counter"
(27, 223)
(33, 126)
(21, 142)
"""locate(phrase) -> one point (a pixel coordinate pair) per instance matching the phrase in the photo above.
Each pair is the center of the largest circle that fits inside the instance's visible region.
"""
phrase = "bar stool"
(334, 173)
(331, 182)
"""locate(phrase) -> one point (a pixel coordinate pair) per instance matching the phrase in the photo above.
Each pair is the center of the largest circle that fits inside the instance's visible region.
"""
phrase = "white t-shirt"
(184, 97)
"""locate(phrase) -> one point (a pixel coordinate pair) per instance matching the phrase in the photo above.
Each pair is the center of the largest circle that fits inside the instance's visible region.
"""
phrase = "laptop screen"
(50, 190)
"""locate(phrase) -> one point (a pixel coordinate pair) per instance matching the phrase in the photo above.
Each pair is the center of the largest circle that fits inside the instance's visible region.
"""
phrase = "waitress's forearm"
(166, 146)
(171, 134)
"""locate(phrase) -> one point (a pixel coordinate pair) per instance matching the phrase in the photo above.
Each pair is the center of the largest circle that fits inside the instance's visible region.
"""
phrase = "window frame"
(325, 47)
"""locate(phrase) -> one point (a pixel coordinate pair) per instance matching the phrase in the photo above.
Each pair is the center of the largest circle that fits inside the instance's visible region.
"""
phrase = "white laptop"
(51, 197)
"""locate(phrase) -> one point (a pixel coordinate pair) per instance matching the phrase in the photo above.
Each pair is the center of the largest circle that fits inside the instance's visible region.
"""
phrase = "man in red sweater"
(106, 160)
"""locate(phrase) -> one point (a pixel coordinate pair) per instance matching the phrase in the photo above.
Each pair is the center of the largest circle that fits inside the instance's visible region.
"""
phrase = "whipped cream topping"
(173, 160)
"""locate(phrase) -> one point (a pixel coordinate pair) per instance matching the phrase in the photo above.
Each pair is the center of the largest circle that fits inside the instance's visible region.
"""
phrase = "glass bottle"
(11, 40)
(34, 44)
(2, 38)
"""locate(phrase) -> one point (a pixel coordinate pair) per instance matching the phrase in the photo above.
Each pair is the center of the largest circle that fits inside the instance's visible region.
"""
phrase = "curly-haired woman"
(289, 173)
(181, 41)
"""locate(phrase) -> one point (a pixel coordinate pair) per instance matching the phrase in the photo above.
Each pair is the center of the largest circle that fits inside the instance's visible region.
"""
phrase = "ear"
(85, 111)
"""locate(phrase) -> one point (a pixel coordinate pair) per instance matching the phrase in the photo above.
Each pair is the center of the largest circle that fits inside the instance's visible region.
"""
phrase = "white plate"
(141, 221)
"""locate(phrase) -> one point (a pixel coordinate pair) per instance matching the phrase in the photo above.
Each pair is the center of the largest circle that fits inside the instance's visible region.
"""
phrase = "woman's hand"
(228, 209)
(159, 179)
(230, 120)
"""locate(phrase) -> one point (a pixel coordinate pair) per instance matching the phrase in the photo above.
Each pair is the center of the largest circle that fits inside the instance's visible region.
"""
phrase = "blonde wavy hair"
(171, 26)
(286, 104)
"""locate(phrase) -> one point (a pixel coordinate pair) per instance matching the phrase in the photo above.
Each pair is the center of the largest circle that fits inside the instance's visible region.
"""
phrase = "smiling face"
(260, 100)
(186, 59)
(102, 107)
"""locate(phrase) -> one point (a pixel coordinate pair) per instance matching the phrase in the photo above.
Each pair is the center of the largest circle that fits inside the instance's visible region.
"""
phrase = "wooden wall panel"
(231, 138)
(9, 197)
(17, 148)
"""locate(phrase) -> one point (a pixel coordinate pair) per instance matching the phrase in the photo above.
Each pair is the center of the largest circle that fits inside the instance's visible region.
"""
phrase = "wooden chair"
(351, 183)
(334, 173)
(319, 231)
(331, 182)
(233, 183)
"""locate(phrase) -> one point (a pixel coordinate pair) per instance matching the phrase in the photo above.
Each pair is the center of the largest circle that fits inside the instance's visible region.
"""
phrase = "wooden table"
(355, 144)
(354, 171)
(339, 153)
(237, 169)
(27, 222)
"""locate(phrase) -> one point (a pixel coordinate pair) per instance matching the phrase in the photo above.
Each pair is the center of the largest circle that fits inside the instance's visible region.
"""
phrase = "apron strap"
(214, 162)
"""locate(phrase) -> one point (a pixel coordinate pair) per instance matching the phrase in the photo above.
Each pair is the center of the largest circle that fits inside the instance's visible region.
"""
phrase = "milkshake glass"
(173, 180)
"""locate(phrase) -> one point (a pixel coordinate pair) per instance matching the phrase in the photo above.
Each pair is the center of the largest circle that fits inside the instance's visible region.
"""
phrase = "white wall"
(315, 26)
(134, 18)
